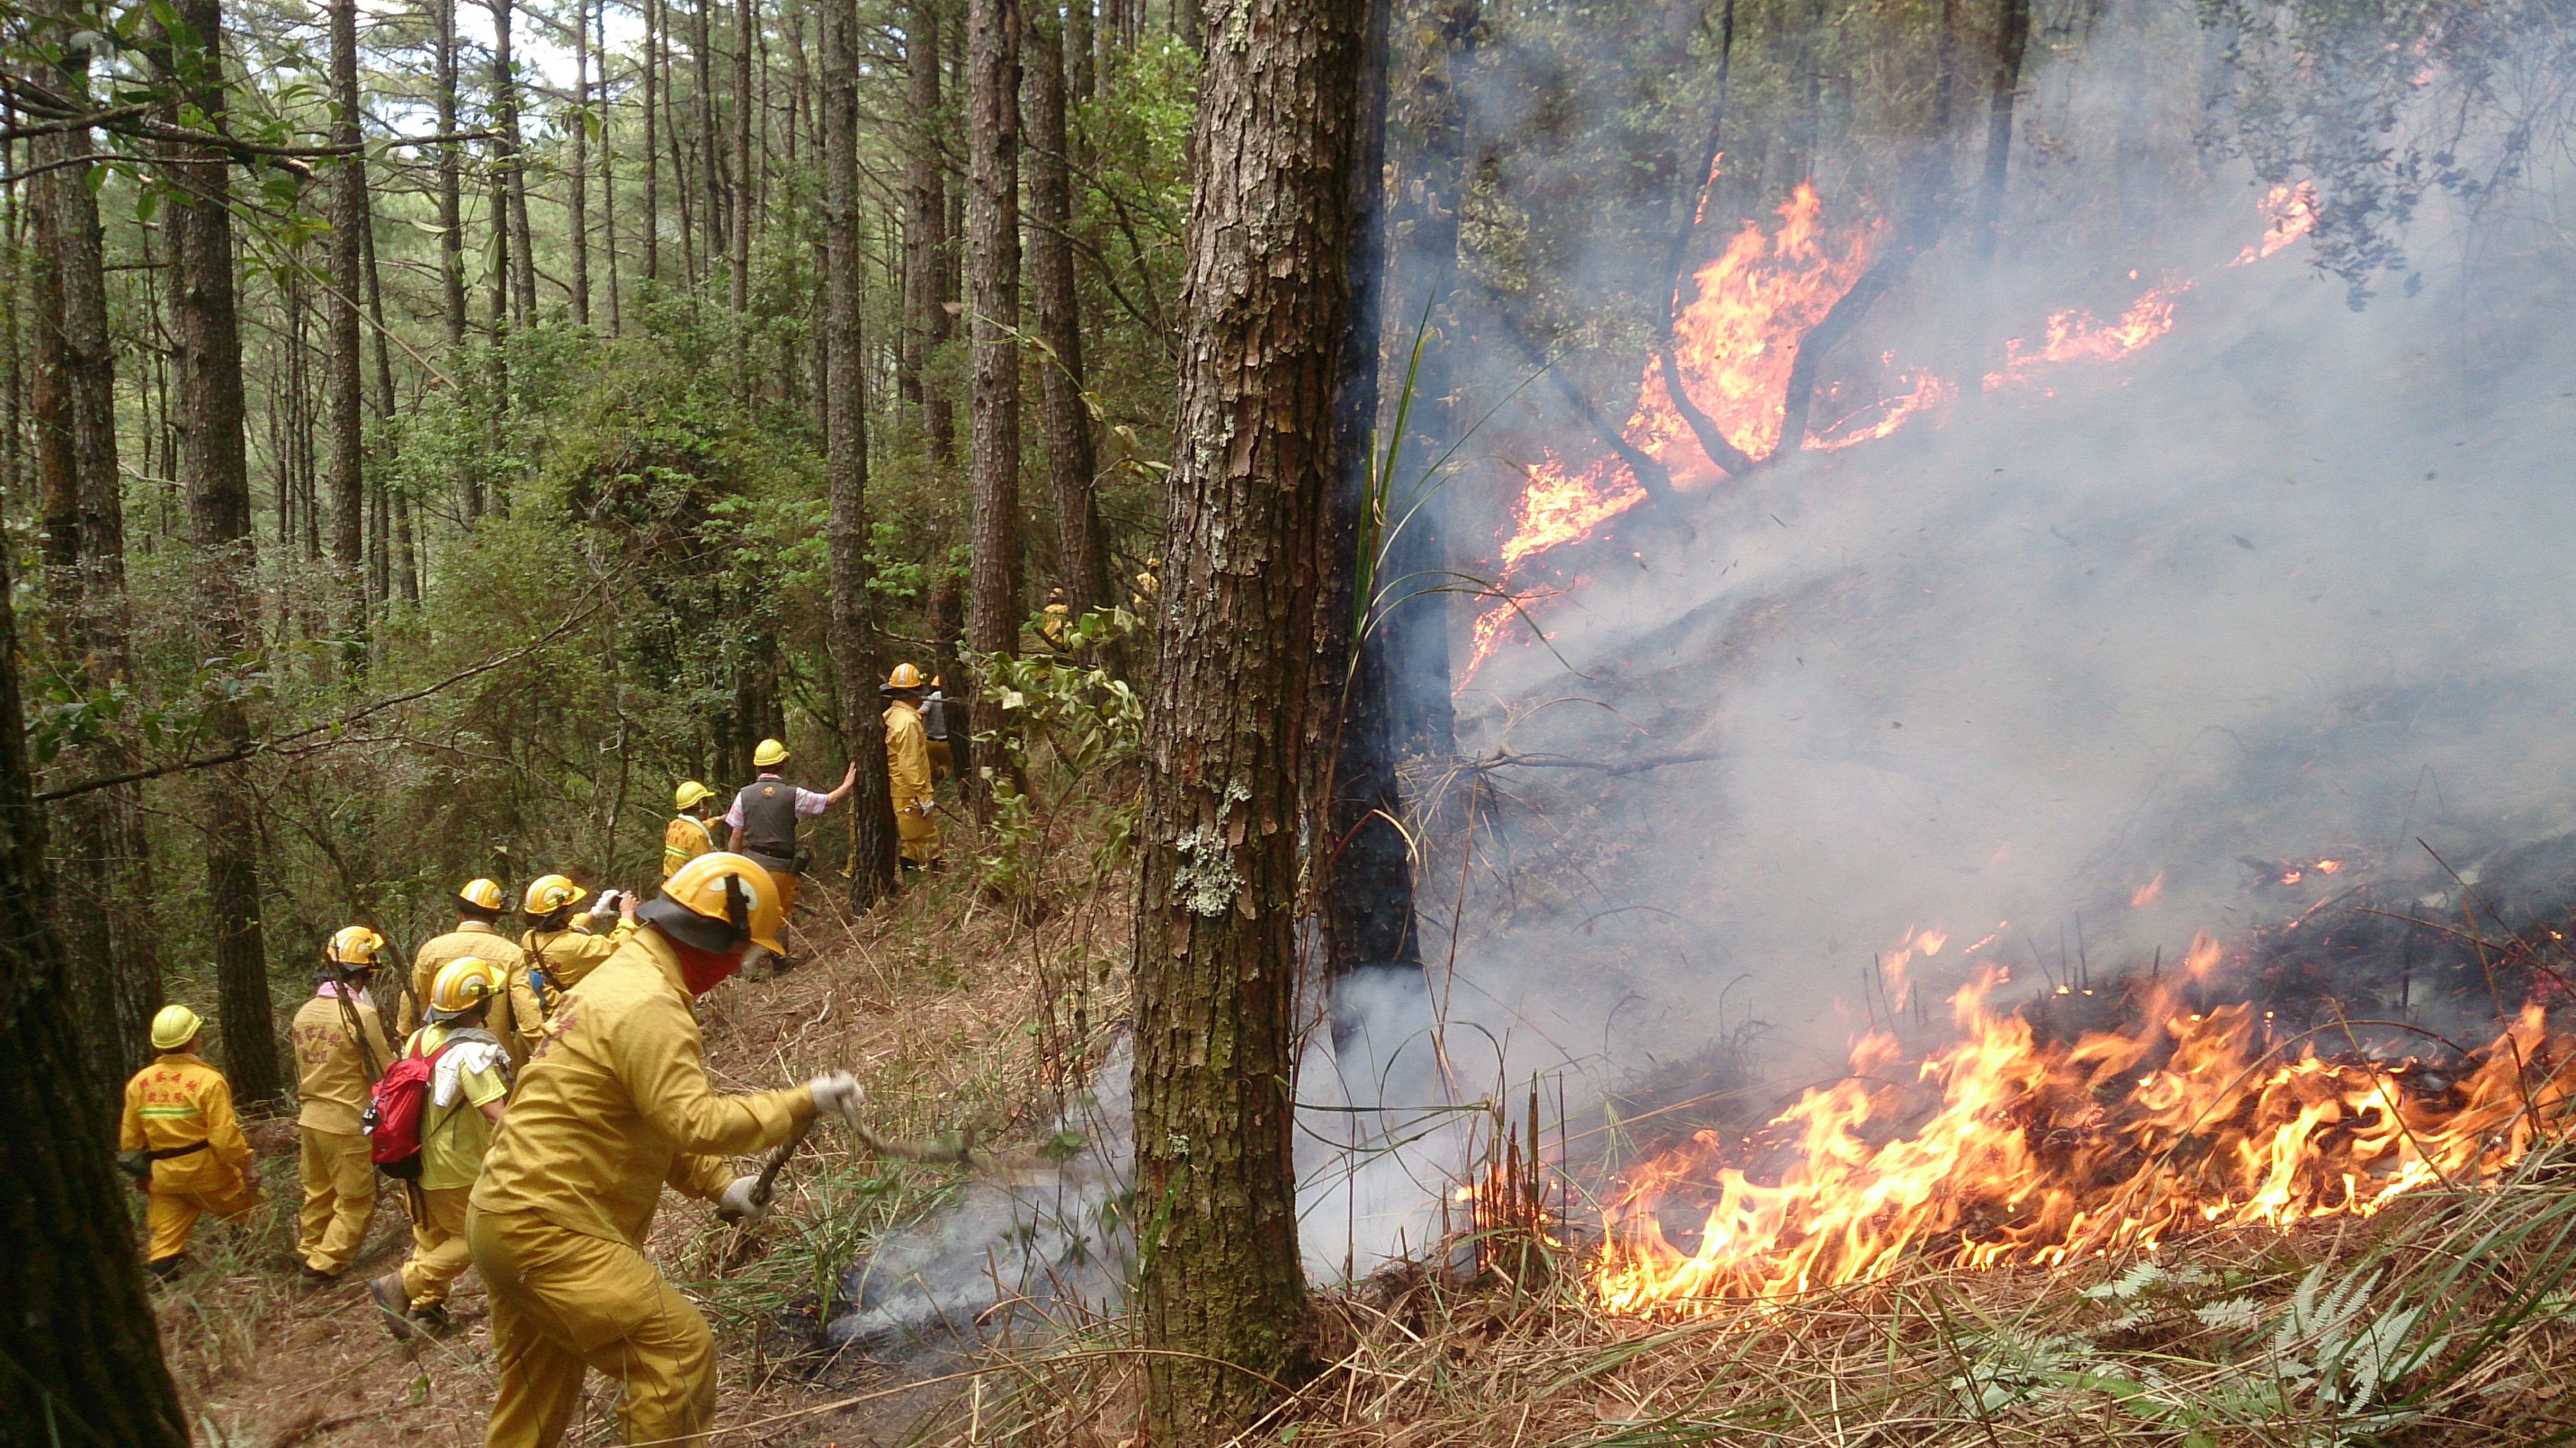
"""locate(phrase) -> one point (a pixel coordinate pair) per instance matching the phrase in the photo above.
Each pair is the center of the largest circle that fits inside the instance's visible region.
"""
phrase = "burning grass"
(2449, 1318)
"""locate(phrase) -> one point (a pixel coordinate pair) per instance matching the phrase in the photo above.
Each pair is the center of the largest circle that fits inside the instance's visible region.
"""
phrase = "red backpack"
(394, 1111)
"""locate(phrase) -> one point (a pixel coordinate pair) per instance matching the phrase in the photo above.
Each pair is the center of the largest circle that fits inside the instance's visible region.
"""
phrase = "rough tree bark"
(1082, 555)
(746, 21)
(652, 135)
(344, 365)
(77, 1333)
(112, 874)
(872, 867)
(514, 167)
(1227, 757)
(577, 221)
(2012, 38)
(993, 308)
(214, 473)
(451, 182)
(927, 324)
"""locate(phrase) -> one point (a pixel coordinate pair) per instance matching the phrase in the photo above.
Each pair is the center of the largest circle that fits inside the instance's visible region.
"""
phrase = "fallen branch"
(1514, 759)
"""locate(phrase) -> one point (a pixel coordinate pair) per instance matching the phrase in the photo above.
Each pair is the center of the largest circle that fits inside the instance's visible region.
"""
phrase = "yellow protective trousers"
(438, 1251)
(173, 1215)
(562, 1302)
(339, 1199)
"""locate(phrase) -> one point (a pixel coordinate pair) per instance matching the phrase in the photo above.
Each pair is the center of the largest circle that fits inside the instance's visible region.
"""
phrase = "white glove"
(837, 1095)
(736, 1205)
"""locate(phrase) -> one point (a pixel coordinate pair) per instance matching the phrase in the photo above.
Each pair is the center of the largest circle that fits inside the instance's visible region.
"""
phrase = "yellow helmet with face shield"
(462, 984)
(731, 894)
(354, 947)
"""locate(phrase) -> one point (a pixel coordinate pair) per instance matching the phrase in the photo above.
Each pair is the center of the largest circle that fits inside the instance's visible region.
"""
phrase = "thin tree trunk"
(1221, 1291)
(402, 565)
(344, 365)
(608, 174)
(76, 1330)
(927, 323)
(2012, 38)
(993, 306)
(746, 21)
(451, 182)
(652, 134)
(1106, 42)
(709, 144)
(577, 224)
(1078, 41)
(1082, 556)
(214, 472)
(872, 867)
(505, 77)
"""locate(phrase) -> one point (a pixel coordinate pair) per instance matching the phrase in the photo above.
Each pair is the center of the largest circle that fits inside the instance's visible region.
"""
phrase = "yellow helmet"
(482, 895)
(690, 794)
(769, 753)
(173, 1027)
(905, 676)
(462, 984)
(734, 890)
(353, 945)
(550, 893)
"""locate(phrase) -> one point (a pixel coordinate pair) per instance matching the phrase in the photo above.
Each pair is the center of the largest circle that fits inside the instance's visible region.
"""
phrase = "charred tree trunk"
(1227, 756)
(344, 365)
(214, 472)
(1364, 867)
(84, 1354)
(1427, 125)
(1082, 555)
(993, 305)
(872, 867)
(2012, 38)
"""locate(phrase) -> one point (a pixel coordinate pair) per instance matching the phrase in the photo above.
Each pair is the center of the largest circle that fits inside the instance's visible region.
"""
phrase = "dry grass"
(2451, 1319)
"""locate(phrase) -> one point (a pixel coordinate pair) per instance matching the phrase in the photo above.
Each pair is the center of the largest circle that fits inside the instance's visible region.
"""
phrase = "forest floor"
(930, 1001)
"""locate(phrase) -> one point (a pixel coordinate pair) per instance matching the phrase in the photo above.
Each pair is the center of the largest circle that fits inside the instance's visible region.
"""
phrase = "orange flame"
(2292, 211)
(2148, 893)
(2074, 336)
(2012, 1149)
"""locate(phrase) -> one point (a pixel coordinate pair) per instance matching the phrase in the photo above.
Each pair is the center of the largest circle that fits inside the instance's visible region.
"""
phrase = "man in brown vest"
(764, 815)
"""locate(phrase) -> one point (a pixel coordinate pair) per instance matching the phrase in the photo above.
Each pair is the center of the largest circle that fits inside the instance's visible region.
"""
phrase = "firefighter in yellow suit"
(614, 1106)
(340, 1050)
(469, 1083)
(478, 909)
(556, 952)
(686, 837)
(908, 768)
(181, 1143)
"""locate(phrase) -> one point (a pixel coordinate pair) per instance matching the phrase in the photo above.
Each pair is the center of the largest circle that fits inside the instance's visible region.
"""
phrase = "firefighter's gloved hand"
(837, 1095)
(737, 1205)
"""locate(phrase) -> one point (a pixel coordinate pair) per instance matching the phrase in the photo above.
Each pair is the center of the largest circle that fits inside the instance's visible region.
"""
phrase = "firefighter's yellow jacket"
(614, 1105)
(567, 956)
(474, 938)
(177, 1101)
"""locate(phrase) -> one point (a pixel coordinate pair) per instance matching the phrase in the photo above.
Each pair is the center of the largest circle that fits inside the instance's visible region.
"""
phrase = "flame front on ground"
(2014, 1149)
(2075, 336)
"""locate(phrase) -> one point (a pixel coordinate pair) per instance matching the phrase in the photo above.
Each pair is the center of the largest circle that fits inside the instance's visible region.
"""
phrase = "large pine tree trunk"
(83, 1354)
(652, 133)
(1082, 554)
(1227, 756)
(344, 365)
(993, 308)
(745, 29)
(872, 867)
(111, 861)
(214, 473)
